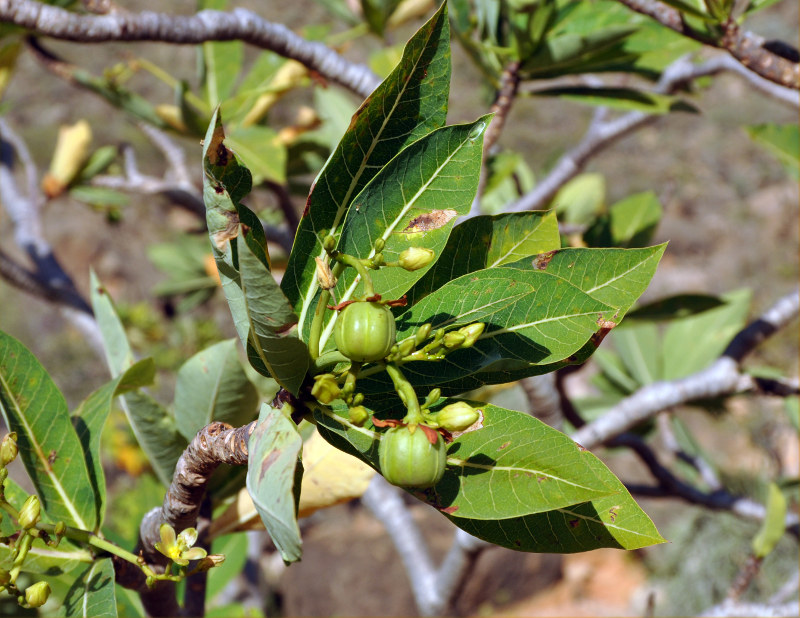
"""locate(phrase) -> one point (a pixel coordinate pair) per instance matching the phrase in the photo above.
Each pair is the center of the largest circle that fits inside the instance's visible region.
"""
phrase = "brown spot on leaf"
(449, 509)
(574, 523)
(612, 513)
(504, 445)
(216, 147)
(430, 221)
(51, 457)
(541, 261)
(230, 232)
(581, 448)
(268, 461)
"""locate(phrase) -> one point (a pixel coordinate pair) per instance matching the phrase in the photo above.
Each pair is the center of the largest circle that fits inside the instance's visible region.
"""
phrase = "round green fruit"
(409, 459)
(364, 331)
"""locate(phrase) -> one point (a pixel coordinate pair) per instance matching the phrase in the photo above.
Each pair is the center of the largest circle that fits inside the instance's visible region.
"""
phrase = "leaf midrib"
(40, 455)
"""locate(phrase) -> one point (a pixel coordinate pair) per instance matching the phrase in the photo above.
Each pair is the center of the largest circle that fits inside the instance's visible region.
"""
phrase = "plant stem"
(319, 316)
(349, 260)
(407, 394)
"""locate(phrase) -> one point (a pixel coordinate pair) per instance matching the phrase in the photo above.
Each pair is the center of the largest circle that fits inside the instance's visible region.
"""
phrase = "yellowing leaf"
(330, 477)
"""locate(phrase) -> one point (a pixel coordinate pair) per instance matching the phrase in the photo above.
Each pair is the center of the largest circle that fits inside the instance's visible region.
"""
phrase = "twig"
(544, 398)
(722, 377)
(208, 25)
(746, 47)
(602, 133)
(670, 486)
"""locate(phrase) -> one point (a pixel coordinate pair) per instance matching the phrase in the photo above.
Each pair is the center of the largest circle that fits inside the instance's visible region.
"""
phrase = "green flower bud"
(422, 334)
(454, 339)
(329, 243)
(60, 528)
(29, 514)
(415, 258)
(358, 415)
(456, 416)
(37, 595)
(380, 243)
(471, 332)
(8, 449)
(405, 348)
(325, 388)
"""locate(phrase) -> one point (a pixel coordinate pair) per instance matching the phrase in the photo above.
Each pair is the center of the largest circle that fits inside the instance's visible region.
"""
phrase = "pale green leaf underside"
(274, 446)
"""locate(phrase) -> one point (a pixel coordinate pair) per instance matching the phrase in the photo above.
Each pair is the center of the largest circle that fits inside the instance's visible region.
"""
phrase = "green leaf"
(41, 559)
(212, 386)
(485, 242)
(261, 313)
(272, 480)
(638, 346)
(514, 466)
(33, 406)
(377, 13)
(675, 307)
(412, 202)
(532, 318)
(616, 277)
(222, 62)
(774, 524)
(634, 219)
(234, 548)
(628, 99)
(783, 141)
(90, 416)
(153, 426)
(92, 594)
(261, 151)
(410, 103)
(693, 343)
(611, 521)
(581, 199)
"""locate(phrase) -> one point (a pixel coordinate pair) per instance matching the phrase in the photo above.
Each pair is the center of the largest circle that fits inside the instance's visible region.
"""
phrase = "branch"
(213, 445)
(722, 377)
(603, 133)
(748, 48)
(238, 24)
(670, 486)
(434, 589)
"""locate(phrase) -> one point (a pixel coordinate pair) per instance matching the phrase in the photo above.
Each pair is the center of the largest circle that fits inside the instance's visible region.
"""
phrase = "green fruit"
(365, 331)
(409, 459)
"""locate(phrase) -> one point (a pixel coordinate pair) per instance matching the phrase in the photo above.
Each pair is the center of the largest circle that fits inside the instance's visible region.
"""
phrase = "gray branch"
(759, 610)
(238, 24)
(434, 588)
(603, 133)
(722, 377)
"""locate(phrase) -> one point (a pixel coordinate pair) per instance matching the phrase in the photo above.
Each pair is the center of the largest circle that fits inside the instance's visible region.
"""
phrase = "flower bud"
(358, 415)
(422, 334)
(60, 528)
(29, 513)
(380, 243)
(454, 339)
(324, 275)
(37, 595)
(210, 561)
(415, 258)
(325, 388)
(456, 416)
(8, 449)
(329, 243)
(69, 156)
(405, 348)
(471, 332)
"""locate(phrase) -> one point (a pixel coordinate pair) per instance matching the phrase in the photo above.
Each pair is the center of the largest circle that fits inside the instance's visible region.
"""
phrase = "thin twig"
(747, 47)
(208, 25)
(603, 133)
(722, 377)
